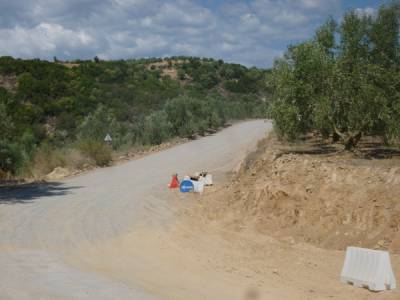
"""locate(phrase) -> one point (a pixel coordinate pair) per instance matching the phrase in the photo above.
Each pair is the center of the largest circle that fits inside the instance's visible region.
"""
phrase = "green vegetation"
(343, 83)
(55, 112)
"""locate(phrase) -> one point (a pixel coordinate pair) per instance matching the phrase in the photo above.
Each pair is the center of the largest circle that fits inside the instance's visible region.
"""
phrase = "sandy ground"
(118, 233)
(47, 231)
(206, 262)
(269, 234)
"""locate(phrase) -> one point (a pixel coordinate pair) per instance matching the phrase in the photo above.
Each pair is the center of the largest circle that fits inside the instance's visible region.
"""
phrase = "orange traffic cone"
(174, 182)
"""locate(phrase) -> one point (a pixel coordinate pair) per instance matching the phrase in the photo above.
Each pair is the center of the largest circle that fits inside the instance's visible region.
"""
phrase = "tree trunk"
(352, 141)
(335, 137)
(349, 139)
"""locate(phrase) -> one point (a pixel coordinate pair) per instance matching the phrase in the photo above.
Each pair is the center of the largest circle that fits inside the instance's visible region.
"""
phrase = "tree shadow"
(28, 193)
(312, 146)
(368, 148)
(315, 150)
(373, 150)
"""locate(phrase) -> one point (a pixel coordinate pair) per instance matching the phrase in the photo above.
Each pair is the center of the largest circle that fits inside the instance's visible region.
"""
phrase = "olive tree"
(343, 83)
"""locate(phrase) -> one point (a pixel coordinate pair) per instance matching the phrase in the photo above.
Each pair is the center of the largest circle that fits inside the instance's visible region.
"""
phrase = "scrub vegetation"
(57, 113)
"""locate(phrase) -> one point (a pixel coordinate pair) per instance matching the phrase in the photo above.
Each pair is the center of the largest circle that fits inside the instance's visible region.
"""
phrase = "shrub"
(76, 160)
(96, 125)
(46, 159)
(99, 152)
(157, 129)
(10, 156)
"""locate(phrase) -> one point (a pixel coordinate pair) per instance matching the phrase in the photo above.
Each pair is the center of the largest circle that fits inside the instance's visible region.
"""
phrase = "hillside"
(49, 108)
(311, 192)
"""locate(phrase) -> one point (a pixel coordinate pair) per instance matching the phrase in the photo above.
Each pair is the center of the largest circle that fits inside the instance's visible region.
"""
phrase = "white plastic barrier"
(368, 268)
(208, 180)
(198, 186)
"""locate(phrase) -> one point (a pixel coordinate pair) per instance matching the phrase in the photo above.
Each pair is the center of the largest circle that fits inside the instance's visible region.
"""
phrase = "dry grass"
(46, 160)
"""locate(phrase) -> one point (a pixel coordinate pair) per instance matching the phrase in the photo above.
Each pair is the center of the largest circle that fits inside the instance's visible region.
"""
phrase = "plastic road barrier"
(198, 186)
(368, 268)
(208, 179)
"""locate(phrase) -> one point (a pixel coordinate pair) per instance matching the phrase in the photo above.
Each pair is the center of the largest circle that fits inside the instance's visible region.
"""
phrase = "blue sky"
(250, 32)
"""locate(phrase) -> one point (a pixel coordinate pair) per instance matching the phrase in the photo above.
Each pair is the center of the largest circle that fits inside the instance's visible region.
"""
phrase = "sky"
(249, 32)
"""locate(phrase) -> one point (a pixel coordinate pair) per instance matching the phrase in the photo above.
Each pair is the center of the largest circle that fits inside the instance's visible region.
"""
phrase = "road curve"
(41, 224)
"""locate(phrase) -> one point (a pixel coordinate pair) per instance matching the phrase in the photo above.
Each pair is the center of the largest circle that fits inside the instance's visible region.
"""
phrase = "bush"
(46, 159)
(157, 129)
(10, 157)
(180, 115)
(99, 152)
(96, 125)
(188, 115)
(76, 160)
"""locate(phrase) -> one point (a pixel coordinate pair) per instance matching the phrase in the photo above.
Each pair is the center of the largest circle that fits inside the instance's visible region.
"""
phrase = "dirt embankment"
(311, 193)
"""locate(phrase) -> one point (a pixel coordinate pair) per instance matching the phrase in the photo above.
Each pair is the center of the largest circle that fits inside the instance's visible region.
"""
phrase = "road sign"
(108, 139)
(186, 186)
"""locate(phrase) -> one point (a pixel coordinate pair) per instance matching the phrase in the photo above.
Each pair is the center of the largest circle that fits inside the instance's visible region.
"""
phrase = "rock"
(58, 173)
(381, 243)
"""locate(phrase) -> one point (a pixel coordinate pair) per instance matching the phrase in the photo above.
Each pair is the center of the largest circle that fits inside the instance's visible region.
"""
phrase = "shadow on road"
(30, 192)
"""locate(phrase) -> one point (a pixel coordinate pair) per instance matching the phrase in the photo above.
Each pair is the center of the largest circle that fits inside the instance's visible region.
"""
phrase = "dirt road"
(48, 232)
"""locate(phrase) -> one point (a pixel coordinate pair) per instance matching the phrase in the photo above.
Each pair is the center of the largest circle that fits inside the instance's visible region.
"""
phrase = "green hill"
(56, 107)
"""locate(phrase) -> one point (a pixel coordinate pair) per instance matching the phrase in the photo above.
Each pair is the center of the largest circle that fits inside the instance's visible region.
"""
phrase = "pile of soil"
(312, 193)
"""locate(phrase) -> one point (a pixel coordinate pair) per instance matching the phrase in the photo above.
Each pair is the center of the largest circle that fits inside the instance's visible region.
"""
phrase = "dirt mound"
(327, 199)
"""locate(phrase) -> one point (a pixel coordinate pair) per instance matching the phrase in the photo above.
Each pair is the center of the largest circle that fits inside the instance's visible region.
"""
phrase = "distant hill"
(145, 101)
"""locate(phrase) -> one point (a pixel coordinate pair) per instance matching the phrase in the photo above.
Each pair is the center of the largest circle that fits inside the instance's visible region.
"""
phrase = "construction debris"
(194, 183)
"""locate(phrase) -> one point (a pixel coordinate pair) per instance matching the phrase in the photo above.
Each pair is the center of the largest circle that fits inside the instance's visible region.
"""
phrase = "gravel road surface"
(41, 224)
